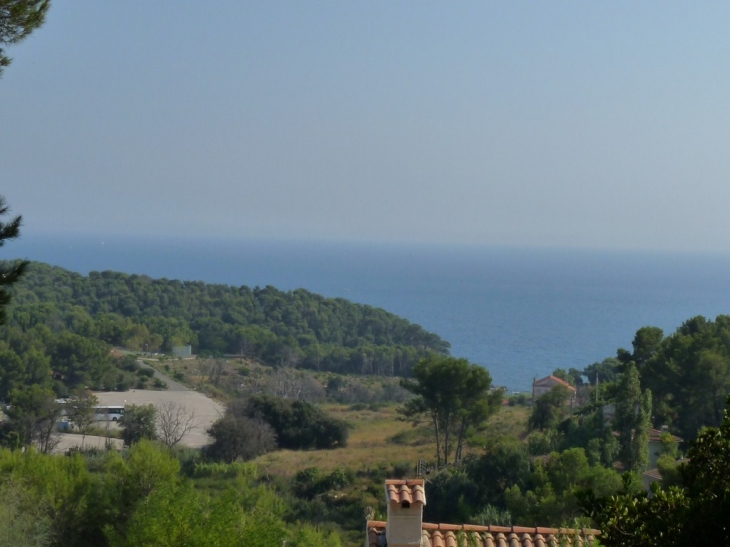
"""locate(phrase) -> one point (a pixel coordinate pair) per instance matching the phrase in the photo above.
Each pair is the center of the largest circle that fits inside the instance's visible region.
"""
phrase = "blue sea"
(519, 312)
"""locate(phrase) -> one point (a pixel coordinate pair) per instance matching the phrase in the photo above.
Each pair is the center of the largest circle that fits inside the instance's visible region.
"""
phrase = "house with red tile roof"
(404, 526)
(656, 445)
(543, 385)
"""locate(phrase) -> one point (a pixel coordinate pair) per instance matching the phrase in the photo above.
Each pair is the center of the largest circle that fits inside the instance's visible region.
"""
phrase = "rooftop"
(653, 474)
(656, 435)
(405, 491)
(552, 379)
(448, 535)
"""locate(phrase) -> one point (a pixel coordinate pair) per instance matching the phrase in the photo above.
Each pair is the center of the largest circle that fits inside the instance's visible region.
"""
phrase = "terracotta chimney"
(405, 499)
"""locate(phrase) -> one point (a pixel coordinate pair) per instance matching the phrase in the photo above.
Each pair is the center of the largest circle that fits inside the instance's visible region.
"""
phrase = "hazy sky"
(578, 124)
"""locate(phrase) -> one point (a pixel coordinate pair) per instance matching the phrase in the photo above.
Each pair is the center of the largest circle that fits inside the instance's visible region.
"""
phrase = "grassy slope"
(370, 446)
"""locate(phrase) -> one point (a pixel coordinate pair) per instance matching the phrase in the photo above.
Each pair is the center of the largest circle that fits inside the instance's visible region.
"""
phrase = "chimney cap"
(405, 491)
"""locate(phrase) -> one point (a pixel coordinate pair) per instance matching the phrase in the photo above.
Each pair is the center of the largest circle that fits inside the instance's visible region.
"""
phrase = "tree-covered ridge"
(276, 327)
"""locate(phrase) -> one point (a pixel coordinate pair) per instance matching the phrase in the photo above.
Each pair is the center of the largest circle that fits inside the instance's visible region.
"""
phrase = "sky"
(575, 124)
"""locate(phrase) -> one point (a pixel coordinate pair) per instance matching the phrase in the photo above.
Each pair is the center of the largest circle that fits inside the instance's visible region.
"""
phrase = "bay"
(519, 312)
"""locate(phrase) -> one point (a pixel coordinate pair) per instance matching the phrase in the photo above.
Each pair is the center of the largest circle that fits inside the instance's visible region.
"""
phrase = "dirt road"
(172, 385)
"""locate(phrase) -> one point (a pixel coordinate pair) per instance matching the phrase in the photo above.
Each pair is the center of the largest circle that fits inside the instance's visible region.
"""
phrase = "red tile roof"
(447, 535)
(653, 474)
(409, 491)
(547, 379)
(656, 435)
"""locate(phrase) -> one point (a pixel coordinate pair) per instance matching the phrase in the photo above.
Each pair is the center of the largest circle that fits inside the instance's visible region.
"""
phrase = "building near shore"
(544, 385)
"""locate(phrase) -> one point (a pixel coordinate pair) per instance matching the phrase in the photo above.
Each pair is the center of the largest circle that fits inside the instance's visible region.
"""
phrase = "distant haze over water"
(519, 312)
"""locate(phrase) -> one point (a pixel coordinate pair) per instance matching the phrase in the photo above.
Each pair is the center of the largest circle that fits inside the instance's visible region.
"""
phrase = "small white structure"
(182, 351)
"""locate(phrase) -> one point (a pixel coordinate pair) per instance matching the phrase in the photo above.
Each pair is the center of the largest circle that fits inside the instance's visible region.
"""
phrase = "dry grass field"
(370, 444)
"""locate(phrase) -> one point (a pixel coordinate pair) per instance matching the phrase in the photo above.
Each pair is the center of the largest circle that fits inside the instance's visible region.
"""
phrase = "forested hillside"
(275, 327)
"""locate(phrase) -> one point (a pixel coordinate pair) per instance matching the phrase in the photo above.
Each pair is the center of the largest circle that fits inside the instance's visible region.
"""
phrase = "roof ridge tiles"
(405, 491)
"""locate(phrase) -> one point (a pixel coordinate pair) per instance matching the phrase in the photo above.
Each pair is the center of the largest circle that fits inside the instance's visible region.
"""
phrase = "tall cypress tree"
(633, 420)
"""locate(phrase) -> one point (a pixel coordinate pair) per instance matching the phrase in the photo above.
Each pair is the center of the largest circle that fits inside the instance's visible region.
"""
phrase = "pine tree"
(18, 18)
(9, 272)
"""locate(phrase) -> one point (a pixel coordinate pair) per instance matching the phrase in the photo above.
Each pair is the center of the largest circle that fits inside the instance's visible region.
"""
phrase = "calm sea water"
(520, 313)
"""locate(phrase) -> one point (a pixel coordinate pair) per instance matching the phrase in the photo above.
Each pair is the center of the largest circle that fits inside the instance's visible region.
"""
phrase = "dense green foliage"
(297, 425)
(696, 512)
(139, 498)
(295, 328)
(506, 484)
(51, 355)
(687, 374)
(32, 418)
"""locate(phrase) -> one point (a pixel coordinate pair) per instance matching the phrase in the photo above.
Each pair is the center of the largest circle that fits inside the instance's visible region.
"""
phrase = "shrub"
(298, 425)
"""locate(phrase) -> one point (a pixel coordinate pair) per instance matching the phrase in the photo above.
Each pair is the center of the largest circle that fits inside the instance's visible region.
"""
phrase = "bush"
(128, 363)
(401, 470)
(311, 482)
(223, 470)
(298, 425)
(159, 384)
(124, 383)
(519, 399)
(239, 437)
(138, 423)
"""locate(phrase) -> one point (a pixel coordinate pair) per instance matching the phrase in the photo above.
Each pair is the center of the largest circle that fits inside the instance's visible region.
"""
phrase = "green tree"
(633, 420)
(564, 375)
(605, 371)
(478, 403)
(549, 408)
(34, 414)
(689, 375)
(646, 343)
(9, 273)
(81, 410)
(455, 395)
(674, 516)
(12, 372)
(504, 463)
(18, 18)
(138, 422)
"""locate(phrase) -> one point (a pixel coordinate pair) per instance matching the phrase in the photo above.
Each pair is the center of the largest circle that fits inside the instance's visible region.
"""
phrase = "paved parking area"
(206, 410)
(68, 440)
